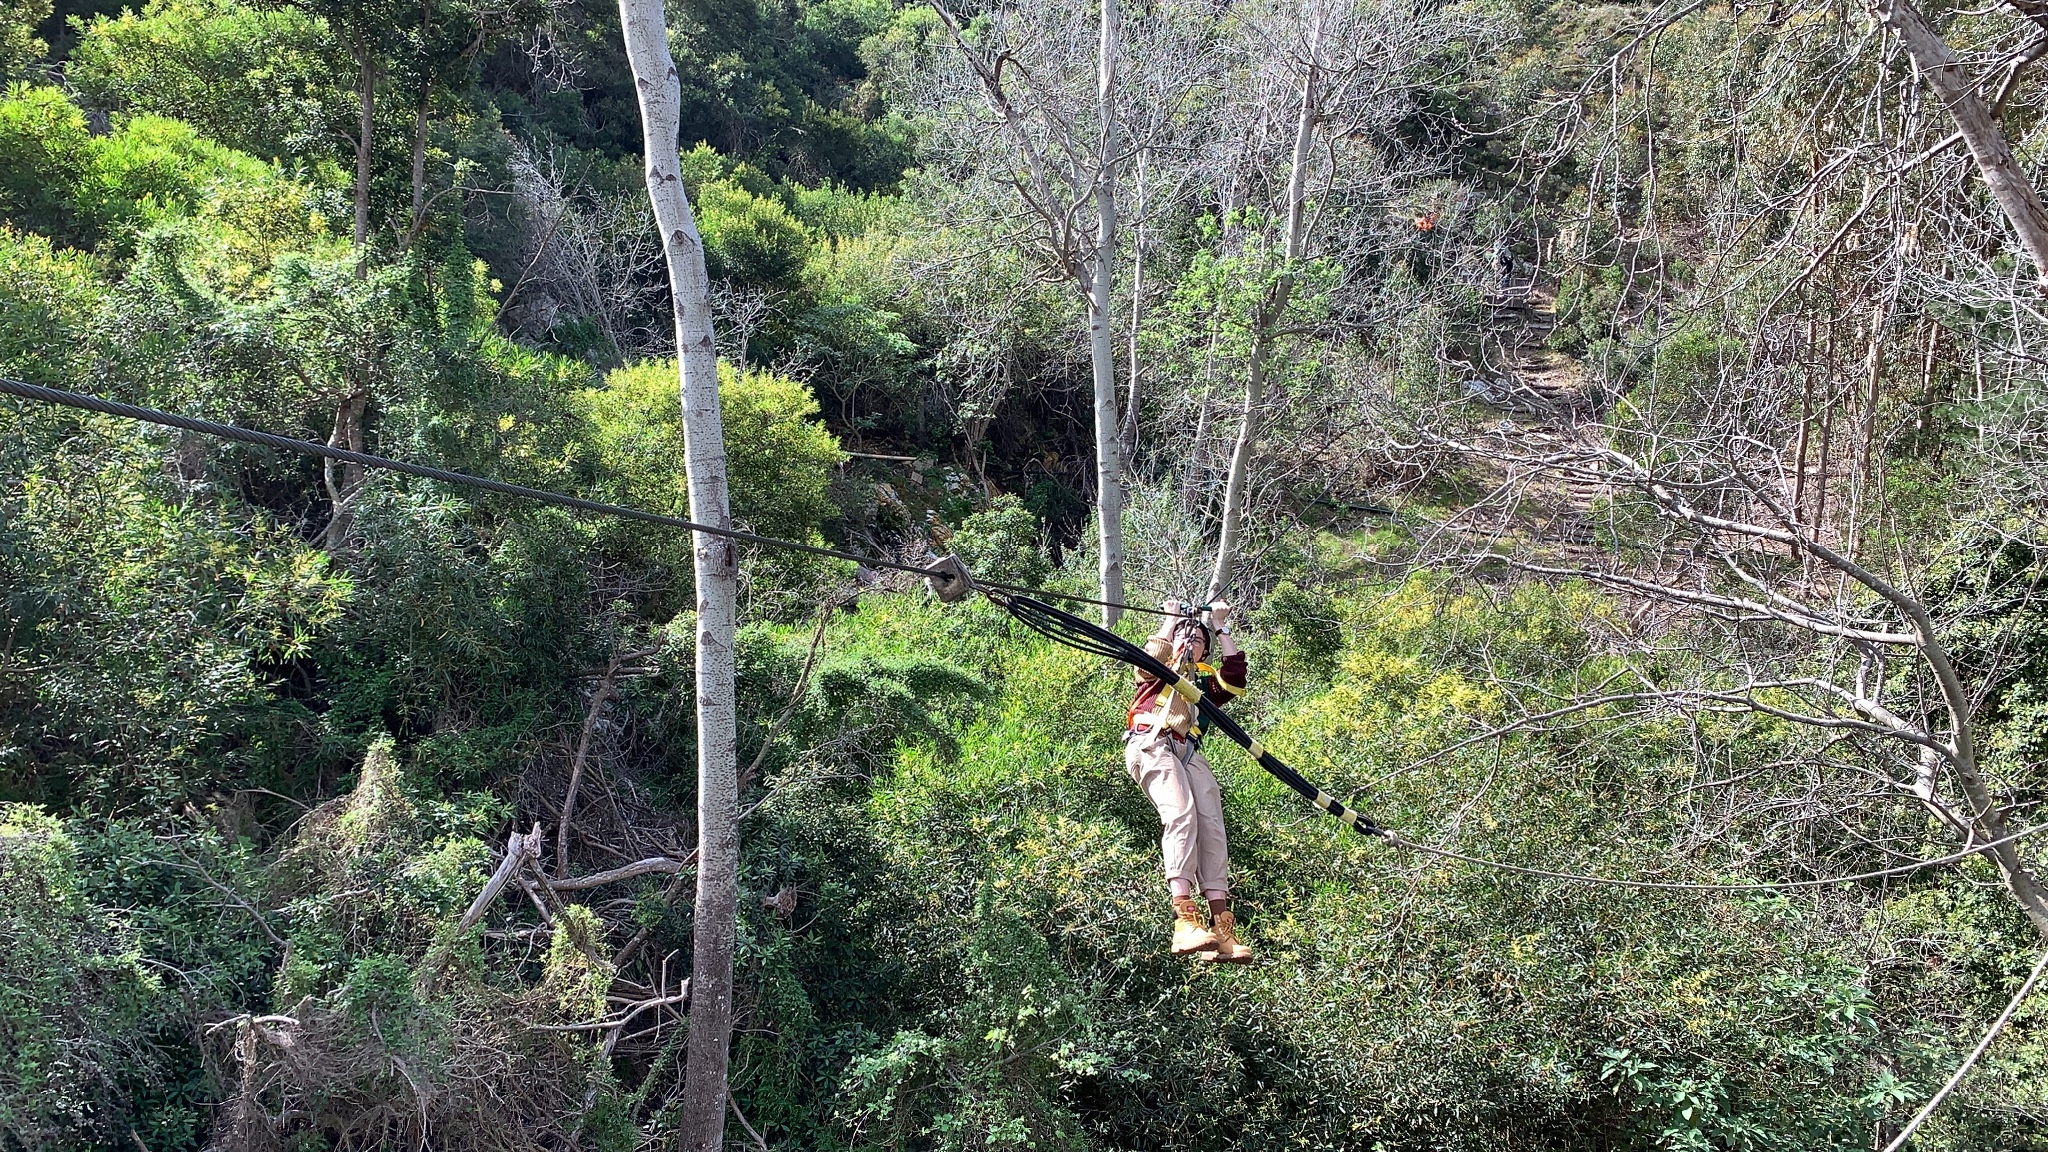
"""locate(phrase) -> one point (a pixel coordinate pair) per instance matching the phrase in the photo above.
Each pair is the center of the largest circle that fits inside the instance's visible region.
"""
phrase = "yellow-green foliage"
(48, 299)
(779, 457)
(58, 178)
(19, 46)
(256, 77)
(576, 976)
(240, 213)
(749, 238)
(43, 159)
(378, 812)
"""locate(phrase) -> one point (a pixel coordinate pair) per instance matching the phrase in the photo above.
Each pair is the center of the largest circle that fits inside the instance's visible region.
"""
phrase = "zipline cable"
(79, 400)
(1021, 603)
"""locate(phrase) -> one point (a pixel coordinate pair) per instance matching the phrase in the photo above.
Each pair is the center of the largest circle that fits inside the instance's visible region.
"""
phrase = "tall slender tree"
(1109, 454)
(1309, 136)
(660, 93)
(1064, 174)
(1272, 305)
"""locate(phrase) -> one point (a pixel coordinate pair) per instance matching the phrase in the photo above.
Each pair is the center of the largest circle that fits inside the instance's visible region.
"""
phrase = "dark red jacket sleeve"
(1229, 681)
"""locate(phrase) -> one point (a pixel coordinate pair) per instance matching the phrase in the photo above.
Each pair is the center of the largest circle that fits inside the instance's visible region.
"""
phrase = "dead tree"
(1302, 163)
(1977, 124)
(1873, 657)
(1067, 149)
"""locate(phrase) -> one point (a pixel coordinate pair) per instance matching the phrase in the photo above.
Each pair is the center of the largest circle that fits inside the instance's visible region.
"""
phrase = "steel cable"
(1021, 603)
(235, 432)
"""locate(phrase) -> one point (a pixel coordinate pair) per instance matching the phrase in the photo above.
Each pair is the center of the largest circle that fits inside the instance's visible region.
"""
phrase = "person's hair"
(1189, 629)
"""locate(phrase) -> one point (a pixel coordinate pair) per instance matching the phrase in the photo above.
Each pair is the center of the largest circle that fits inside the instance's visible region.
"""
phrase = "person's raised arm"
(1218, 619)
(1160, 644)
(1230, 677)
(1175, 611)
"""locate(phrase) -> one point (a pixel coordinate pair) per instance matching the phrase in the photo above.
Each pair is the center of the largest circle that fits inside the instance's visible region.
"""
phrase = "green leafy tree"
(256, 79)
(1004, 542)
(19, 47)
(781, 455)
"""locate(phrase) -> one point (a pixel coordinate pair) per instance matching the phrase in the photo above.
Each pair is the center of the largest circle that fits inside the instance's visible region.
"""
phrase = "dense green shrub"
(261, 79)
(19, 47)
(48, 300)
(45, 158)
(75, 995)
(58, 179)
(1004, 542)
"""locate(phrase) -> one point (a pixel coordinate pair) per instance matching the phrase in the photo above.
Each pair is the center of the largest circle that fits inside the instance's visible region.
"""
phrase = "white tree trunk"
(1958, 93)
(704, 1089)
(1133, 377)
(1109, 500)
(1265, 325)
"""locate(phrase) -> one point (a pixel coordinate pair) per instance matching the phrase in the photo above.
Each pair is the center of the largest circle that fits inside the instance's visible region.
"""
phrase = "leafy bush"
(1004, 542)
(151, 636)
(73, 994)
(779, 465)
(152, 169)
(1306, 628)
(748, 238)
(45, 157)
(19, 47)
(48, 301)
(58, 179)
(260, 79)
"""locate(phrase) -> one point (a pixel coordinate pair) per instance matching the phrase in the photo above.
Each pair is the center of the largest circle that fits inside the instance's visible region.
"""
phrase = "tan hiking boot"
(1228, 950)
(1190, 935)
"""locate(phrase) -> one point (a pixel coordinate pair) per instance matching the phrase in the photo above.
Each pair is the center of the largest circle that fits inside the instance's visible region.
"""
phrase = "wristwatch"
(1223, 631)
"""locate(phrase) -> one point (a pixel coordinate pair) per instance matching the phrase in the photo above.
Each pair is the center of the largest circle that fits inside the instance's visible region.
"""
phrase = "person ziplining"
(1163, 755)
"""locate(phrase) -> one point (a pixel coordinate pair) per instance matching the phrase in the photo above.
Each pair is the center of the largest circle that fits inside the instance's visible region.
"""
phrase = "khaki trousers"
(1177, 779)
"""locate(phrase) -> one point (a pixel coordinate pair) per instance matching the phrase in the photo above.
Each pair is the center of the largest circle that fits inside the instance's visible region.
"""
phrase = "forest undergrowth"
(1616, 424)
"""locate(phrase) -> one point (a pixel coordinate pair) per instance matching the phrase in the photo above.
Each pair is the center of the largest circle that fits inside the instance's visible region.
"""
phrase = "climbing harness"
(951, 583)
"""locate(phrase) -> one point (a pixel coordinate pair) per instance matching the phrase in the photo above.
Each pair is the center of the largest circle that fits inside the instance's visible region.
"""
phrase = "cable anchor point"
(948, 579)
